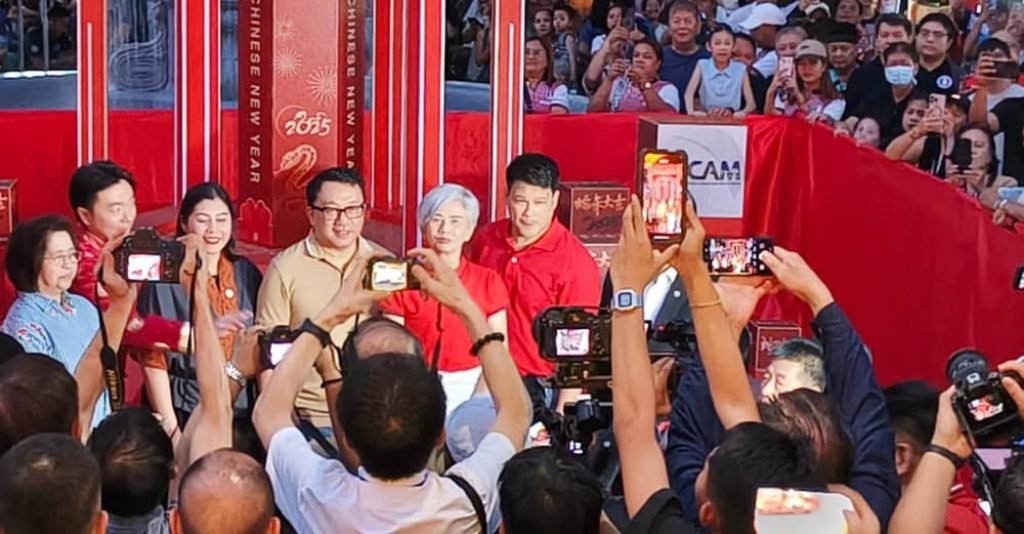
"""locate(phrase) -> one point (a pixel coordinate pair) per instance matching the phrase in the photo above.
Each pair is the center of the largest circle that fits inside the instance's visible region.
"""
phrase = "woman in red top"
(447, 216)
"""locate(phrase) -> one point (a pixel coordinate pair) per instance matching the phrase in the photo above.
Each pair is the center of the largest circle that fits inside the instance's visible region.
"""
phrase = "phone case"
(664, 202)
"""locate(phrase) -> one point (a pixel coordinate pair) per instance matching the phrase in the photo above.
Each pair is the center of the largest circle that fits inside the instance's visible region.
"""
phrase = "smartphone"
(1012, 194)
(961, 156)
(274, 344)
(662, 187)
(390, 274)
(1007, 69)
(785, 68)
(786, 511)
(936, 106)
(736, 257)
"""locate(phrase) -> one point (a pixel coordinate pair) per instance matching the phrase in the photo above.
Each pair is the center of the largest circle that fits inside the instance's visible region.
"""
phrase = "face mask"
(899, 75)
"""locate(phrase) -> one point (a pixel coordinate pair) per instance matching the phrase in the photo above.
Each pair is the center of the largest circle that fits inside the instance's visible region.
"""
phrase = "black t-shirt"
(1010, 113)
(945, 79)
(883, 107)
(866, 80)
(662, 513)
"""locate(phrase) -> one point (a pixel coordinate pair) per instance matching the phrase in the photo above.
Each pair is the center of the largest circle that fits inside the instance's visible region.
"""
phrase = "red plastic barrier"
(919, 267)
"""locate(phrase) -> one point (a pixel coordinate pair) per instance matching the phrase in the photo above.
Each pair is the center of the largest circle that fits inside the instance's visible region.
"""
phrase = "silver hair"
(441, 194)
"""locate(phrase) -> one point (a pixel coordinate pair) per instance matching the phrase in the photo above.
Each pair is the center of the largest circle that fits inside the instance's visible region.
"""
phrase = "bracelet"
(330, 382)
(957, 461)
(489, 338)
(1000, 204)
(711, 304)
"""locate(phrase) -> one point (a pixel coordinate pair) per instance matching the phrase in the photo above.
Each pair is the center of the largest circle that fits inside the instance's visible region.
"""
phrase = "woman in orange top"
(171, 386)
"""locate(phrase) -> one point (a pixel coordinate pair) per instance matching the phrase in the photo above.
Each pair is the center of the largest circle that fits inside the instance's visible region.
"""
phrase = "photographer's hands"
(635, 262)
(793, 274)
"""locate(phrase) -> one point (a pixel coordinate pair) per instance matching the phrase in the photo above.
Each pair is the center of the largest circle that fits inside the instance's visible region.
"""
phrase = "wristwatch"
(648, 85)
(235, 374)
(626, 300)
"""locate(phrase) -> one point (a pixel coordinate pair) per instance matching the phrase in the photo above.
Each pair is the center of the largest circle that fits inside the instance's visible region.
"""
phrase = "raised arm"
(691, 93)
(719, 352)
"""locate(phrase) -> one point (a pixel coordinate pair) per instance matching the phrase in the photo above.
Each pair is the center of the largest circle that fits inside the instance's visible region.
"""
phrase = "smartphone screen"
(779, 511)
(572, 342)
(663, 191)
(1007, 69)
(389, 275)
(143, 268)
(936, 106)
(785, 69)
(736, 257)
(277, 351)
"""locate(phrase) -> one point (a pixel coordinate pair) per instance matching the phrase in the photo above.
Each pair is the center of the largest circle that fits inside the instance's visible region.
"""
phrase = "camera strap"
(108, 358)
(436, 356)
(192, 312)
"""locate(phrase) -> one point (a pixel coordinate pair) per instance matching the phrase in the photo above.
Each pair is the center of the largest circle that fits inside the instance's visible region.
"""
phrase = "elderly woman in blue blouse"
(45, 318)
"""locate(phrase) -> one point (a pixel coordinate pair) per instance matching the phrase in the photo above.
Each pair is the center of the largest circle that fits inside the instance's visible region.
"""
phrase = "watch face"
(625, 300)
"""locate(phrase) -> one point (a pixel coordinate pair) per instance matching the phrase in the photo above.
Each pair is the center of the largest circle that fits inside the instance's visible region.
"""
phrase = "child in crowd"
(564, 45)
(542, 19)
(652, 12)
(720, 83)
(867, 132)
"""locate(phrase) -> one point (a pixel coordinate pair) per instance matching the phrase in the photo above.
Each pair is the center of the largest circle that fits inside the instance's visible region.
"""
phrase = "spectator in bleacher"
(564, 46)
(102, 195)
(136, 464)
(937, 73)
(981, 179)
(636, 87)
(996, 89)
(171, 388)
(301, 278)
(569, 503)
(1006, 118)
(619, 16)
(931, 142)
(867, 132)
(720, 83)
(847, 12)
(447, 217)
(37, 396)
(393, 490)
(680, 56)
(841, 40)
(50, 484)
(479, 29)
(763, 24)
(809, 93)
(615, 45)
(530, 250)
(543, 24)
(912, 407)
(45, 318)
(993, 18)
(225, 492)
(652, 12)
(743, 51)
(887, 104)
(869, 79)
(543, 94)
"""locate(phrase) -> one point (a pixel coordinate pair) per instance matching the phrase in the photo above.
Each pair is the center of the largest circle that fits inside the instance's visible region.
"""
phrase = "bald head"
(225, 492)
(381, 335)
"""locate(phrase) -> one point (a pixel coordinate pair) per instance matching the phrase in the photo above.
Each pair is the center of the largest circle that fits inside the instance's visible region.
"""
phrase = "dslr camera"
(146, 257)
(983, 407)
(390, 274)
(578, 340)
(274, 344)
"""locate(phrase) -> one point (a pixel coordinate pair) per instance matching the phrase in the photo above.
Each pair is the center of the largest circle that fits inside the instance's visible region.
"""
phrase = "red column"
(506, 94)
(408, 108)
(92, 81)
(196, 93)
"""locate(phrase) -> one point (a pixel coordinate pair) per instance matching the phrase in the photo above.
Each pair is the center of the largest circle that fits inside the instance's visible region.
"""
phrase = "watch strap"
(235, 374)
(309, 327)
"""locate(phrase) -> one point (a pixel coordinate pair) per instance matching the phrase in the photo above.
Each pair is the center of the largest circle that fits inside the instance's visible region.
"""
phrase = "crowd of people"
(913, 89)
(418, 410)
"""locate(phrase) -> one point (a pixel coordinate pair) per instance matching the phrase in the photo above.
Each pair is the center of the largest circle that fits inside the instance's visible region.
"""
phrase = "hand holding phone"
(390, 274)
(786, 511)
(736, 257)
(662, 186)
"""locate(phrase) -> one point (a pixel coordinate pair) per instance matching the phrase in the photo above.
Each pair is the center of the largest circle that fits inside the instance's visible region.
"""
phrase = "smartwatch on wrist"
(626, 300)
(309, 327)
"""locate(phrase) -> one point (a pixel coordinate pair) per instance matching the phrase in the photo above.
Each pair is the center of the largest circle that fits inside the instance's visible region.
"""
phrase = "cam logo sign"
(718, 163)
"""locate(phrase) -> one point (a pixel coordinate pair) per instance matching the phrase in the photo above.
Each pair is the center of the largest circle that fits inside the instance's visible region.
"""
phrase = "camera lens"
(963, 363)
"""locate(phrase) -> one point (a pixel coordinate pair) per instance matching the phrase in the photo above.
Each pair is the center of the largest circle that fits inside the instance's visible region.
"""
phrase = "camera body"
(146, 257)
(574, 334)
(981, 403)
(390, 274)
(274, 344)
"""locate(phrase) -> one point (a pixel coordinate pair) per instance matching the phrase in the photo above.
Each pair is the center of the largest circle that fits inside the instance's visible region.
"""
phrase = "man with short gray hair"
(797, 363)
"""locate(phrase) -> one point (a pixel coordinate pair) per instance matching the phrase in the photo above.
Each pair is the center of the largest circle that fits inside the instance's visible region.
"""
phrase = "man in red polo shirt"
(541, 262)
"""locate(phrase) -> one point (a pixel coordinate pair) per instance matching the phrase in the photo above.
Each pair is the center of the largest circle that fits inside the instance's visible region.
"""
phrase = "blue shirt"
(677, 69)
(61, 330)
(850, 383)
(721, 88)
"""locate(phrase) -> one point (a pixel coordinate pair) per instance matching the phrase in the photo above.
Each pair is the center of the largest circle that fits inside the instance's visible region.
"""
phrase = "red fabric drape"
(919, 268)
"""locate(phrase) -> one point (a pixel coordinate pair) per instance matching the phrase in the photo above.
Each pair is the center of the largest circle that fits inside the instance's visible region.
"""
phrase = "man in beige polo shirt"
(302, 278)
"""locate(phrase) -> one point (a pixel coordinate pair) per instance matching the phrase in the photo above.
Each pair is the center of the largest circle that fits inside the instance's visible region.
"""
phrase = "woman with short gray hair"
(447, 216)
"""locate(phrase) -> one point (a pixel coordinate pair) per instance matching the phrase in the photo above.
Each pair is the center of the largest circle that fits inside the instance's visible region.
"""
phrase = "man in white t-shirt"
(391, 413)
(997, 89)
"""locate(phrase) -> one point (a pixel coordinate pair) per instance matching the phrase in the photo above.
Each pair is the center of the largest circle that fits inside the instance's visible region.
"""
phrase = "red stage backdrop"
(300, 106)
(918, 266)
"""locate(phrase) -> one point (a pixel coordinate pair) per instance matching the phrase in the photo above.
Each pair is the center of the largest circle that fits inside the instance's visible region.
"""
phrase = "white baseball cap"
(763, 14)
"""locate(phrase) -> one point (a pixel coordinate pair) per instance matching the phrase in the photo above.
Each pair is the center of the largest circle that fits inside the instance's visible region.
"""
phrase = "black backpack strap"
(474, 498)
(311, 433)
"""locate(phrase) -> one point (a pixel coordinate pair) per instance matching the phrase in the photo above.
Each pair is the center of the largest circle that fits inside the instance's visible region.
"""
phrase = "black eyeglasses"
(351, 212)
